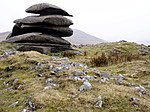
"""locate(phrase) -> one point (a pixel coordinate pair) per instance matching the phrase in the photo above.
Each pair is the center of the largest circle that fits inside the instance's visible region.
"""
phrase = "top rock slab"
(46, 9)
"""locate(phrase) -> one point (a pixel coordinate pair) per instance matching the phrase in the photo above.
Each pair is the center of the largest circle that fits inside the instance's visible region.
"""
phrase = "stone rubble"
(99, 102)
(8, 53)
(14, 104)
(141, 90)
(50, 84)
(85, 86)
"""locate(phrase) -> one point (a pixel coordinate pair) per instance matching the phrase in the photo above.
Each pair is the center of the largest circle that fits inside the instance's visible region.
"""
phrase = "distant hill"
(80, 37)
(3, 35)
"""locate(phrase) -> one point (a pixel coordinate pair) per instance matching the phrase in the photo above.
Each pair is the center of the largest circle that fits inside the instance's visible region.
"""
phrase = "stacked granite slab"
(42, 32)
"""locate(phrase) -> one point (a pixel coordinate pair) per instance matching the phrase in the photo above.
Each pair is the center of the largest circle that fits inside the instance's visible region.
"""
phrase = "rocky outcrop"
(42, 31)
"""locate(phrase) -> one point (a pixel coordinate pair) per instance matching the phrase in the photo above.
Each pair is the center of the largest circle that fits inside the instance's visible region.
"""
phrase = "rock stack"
(42, 32)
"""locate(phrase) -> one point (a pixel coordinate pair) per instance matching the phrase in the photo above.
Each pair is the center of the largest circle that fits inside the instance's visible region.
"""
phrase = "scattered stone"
(97, 72)
(1, 79)
(123, 41)
(57, 69)
(144, 50)
(40, 75)
(50, 84)
(32, 105)
(148, 85)
(8, 53)
(83, 78)
(141, 90)
(49, 81)
(14, 104)
(26, 110)
(104, 79)
(99, 102)
(105, 74)
(119, 79)
(15, 81)
(134, 99)
(86, 86)
(40, 65)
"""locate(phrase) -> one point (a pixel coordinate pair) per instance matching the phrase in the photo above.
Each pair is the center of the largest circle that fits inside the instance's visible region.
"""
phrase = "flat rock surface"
(54, 20)
(37, 37)
(46, 9)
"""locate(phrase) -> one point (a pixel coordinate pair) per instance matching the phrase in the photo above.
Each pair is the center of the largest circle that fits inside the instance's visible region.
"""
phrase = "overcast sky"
(106, 19)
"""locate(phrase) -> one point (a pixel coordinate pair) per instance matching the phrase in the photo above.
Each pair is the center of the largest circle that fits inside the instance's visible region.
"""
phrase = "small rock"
(32, 106)
(86, 86)
(26, 110)
(15, 81)
(119, 79)
(40, 75)
(134, 99)
(40, 65)
(14, 104)
(104, 79)
(57, 69)
(148, 85)
(99, 102)
(49, 81)
(141, 90)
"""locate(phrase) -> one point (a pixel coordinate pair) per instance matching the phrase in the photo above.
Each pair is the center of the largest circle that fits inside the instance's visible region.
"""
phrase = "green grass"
(67, 97)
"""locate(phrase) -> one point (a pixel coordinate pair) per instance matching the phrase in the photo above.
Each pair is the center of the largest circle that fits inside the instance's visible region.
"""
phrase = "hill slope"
(32, 81)
(80, 37)
(3, 35)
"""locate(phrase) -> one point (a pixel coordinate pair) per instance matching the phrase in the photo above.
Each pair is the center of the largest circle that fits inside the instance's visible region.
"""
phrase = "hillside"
(3, 35)
(114, 77)
(80, 37)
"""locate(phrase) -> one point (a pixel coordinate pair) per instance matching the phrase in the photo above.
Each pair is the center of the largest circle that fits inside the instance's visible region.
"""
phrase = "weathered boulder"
(46, 9)
(42, 49)
(55, 31)
(51, 20)
(37, 37)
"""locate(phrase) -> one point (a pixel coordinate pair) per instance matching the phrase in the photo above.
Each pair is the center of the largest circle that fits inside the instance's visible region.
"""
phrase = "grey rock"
(104, 79)
(15, 81)
(141, 90)
(26, 110)
(15, 31)
(134, 99)
(119, 79)
(86, 86)
(50, 84)
(46, 9)
(105, 74)
(148, 85)
(32, 105)
(37, 37)
(52, 30)
(14, 104)
(45, 48)
(57, 69)
(99, 102)
(40, 65)
(96, 71)
(49, 81)
(51, 20)
(8, 53)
